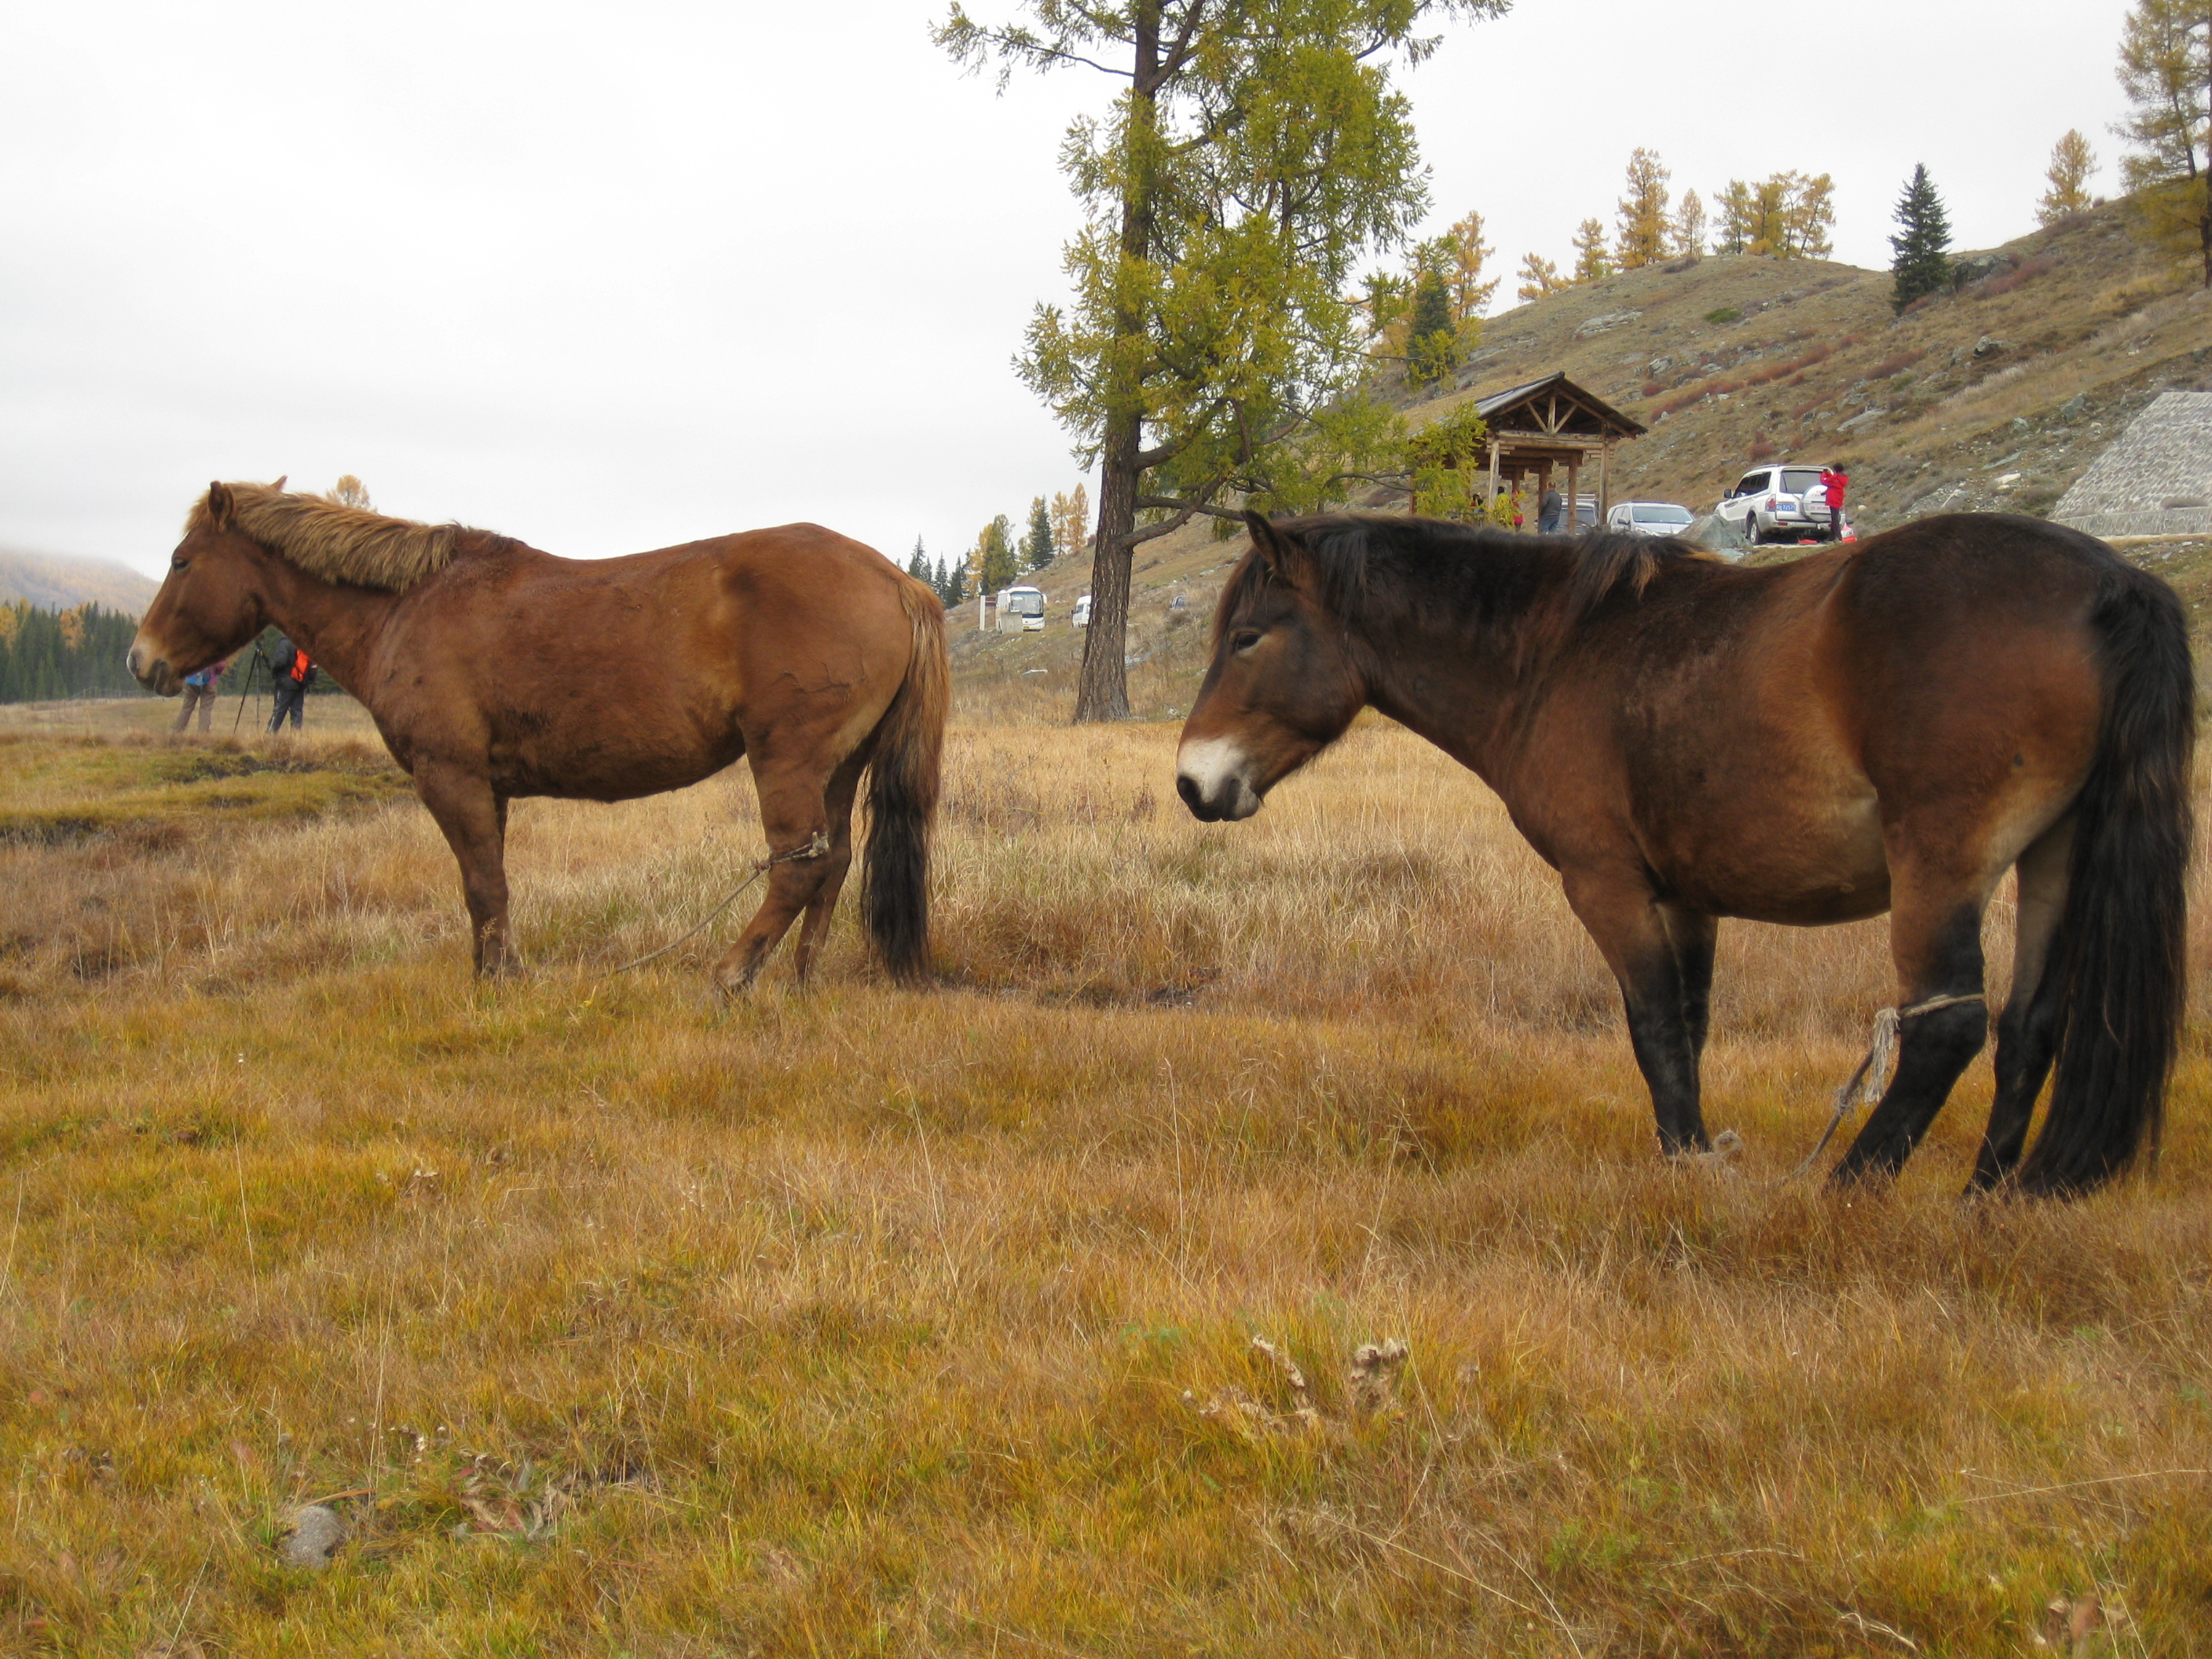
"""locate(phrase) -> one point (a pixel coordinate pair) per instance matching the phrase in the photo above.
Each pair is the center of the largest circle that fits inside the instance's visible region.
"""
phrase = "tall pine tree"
(918, 566)
(1036, 545)
(1921, 266)
(1432, 343)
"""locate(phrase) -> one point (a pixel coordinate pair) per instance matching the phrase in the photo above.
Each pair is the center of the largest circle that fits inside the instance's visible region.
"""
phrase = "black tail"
(902, 781)
(2116, 971)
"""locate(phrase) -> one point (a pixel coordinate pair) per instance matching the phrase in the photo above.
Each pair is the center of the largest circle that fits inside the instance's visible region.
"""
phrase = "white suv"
(1775, 501)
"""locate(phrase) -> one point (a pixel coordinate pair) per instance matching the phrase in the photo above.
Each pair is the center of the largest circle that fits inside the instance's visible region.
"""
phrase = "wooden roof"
(1555, 405)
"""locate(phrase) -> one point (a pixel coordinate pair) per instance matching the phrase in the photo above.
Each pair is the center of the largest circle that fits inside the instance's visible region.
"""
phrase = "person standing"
(1551, 512)
(200, 693)
(292, 672)
(1836, 481)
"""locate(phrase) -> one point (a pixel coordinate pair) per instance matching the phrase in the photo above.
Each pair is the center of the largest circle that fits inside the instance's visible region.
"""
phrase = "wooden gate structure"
(1553, 423)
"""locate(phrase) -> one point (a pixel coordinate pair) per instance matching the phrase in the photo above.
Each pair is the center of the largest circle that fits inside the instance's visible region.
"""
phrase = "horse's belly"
(1814, 859)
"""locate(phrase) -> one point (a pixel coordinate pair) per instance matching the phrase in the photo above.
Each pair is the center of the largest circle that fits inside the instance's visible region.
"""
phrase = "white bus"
(1021, 610)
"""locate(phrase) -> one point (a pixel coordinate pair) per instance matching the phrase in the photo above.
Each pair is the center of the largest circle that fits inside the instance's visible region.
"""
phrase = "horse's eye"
(1243, 639)
(178, 564)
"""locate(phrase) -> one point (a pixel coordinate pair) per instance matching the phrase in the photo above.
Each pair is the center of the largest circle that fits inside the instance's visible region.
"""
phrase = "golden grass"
(614, 1320)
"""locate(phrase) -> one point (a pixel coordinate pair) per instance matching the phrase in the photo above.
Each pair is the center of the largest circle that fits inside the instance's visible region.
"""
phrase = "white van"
(1021, 610)
(1082, 617)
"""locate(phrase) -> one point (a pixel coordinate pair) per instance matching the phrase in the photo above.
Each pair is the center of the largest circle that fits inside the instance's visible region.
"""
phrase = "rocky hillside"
(1993, 397)
(53, 583)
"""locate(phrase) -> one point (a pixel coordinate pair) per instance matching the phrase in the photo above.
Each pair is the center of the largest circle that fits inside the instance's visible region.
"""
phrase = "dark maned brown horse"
(1891, 727)
(494, 671)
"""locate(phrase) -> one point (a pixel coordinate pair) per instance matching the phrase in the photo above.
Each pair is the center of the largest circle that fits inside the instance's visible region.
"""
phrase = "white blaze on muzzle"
(1212, 772)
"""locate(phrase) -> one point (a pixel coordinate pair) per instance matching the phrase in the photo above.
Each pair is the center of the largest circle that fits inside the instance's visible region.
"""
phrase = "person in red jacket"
(1836, 480)
(292, 672)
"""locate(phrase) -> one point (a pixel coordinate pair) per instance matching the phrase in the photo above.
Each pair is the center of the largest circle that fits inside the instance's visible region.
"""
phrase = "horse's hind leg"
(794, 812)
(838, 806)
(1935, 936)
(2025, 1047)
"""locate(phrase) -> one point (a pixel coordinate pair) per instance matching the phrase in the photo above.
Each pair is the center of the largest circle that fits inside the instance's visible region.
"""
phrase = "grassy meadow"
(1024, 1316)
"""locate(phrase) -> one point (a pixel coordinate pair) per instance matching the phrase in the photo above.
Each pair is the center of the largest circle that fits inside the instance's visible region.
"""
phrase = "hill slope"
(54, 583)
(1995, 397)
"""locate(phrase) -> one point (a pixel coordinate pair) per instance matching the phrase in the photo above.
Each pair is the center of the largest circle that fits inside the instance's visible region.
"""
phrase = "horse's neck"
(1467, 699)
(337, 627)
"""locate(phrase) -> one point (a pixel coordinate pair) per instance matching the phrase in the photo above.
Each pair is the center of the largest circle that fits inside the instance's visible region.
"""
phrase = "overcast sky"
(610, 277)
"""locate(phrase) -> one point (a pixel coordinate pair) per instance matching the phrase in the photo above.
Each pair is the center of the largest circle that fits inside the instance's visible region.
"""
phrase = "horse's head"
(209, 603)
(1282, 687)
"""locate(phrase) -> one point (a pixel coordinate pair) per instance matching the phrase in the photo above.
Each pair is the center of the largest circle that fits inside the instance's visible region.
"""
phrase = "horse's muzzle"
(156, 676)
(1210, 778)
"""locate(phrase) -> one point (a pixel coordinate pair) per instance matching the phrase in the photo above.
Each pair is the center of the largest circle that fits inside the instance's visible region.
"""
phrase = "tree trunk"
(1103, 692)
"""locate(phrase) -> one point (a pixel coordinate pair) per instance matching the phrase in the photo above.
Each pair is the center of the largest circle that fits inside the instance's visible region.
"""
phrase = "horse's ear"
(218, 502)
(283, 478)
(1280, 551)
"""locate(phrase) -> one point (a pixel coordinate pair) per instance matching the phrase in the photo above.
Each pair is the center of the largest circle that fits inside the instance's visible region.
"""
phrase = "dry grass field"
(611, 1320)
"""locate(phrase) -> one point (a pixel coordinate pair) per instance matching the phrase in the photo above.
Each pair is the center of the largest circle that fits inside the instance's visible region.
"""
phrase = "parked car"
(1778, 501)
(1081, 619)
(1647, 518)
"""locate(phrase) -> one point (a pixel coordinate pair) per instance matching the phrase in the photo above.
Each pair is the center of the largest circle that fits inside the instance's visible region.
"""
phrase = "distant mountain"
(54, 583)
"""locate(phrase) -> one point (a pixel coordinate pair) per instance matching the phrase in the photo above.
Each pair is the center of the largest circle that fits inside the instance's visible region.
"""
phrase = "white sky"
(610, 277)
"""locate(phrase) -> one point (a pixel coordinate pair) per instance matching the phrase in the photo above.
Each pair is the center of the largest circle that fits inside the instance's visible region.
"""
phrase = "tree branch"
(1169, 503)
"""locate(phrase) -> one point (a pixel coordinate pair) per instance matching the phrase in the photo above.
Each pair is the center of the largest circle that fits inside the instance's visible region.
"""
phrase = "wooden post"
(1543, 489)
(1604, 479)
(1574, 491)
(1491, 494)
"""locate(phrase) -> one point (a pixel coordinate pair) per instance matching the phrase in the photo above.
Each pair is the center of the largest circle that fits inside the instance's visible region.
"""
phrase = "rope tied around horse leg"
(817, 847)
(1872, 1077)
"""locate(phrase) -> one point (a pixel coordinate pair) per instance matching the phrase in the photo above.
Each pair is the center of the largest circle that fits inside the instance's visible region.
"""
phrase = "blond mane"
(336, 543)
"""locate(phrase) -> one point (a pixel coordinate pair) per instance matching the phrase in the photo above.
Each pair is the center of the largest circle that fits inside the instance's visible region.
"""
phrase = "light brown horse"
(1889, 727)
(494, 671)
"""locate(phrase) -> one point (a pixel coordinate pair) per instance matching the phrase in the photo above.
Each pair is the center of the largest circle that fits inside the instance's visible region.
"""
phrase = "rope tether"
(814, 848)
(1872, 1077)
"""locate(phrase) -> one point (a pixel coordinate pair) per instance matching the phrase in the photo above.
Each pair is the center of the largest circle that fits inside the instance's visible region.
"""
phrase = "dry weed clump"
(1256, 1243)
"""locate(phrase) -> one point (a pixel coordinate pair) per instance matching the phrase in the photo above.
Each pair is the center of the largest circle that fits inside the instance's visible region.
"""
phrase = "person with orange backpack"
(294, 673)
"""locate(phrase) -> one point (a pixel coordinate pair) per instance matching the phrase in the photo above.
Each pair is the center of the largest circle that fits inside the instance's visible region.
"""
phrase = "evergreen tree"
(1591, 262)
(1209, 350)
(1734, 235)
(1539, 278)
(1686, 235)
(2072, 162)
(2165, 70)
(46, 656)
(1921, 266)
(994, 560)
(918, 566)
(1643, 212)
(1036, 545)
(1431, 347)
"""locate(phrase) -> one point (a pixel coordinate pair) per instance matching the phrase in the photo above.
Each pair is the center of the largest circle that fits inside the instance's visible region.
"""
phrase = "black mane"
(1377, 570)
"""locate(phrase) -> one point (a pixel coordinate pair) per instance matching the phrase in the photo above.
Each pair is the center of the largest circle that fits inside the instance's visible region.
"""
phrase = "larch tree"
(2165, 70)
(1470, 295)
(1037, 541)
(1808, 217)
(1642, 212)
(1071, 521)
(1539, 277)
(1686, 236)
(2066, 182)
(1922, 265)
(350, 491)
(1592, 262)
(1209, 350)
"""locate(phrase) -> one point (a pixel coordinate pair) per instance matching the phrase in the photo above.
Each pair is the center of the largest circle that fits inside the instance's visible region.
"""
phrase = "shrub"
(1725, 315)
(2005, 281)
(1762, 449)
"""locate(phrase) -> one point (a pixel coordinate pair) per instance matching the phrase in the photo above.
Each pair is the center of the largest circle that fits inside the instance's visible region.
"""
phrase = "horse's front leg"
(474, 820)
(1666, 1010)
